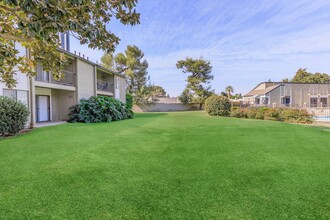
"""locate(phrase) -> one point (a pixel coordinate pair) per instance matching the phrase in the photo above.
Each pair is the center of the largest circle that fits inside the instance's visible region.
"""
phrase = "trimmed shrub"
(129, 101)
(261, 112)
(252, 113)
(272, 114)
(237, 112)
(278, 114)
(296, 116)
(99, 109)
(13, 116)
(218, 106)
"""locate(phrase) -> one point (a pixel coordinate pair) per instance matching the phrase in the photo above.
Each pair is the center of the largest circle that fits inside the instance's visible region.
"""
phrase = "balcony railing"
(105, 86)
(68, 78)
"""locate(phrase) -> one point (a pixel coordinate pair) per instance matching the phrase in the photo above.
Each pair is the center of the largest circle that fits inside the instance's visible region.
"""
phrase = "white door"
(117, 89)
(42, 108)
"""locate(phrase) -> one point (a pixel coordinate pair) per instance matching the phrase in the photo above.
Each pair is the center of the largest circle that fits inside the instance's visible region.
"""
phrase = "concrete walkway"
(45, 124)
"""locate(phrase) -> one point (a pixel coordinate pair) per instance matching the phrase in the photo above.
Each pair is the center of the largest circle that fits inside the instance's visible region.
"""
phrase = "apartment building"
(49, 100)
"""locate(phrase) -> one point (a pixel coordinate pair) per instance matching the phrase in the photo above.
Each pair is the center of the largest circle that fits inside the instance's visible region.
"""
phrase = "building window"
(324, 101)
(19, 95)
(265, 100)
(286, 101)
(257, 101)
(65, 41)
(313, 102)
(10, 93)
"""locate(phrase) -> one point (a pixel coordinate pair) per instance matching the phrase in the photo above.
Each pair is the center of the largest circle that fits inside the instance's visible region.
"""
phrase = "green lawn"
(167, 166)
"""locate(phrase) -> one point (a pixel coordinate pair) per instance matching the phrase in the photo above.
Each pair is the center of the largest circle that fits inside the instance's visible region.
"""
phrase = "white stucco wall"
(22, 79)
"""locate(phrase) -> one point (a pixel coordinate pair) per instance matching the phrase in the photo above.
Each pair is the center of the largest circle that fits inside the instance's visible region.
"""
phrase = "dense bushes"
(277, 114)
(13, 116)
(129, 101)
(218, 106)
(237, 112)
(99, 109)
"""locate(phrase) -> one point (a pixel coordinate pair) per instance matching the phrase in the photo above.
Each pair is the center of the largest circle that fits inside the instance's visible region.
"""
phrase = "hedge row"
(221, 106)
(276, 114)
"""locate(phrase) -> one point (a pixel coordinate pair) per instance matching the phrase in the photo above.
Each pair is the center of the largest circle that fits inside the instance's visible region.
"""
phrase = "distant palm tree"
(229, 90)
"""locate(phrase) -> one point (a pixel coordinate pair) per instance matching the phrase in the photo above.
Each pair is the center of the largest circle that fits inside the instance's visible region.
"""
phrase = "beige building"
(297, 95)
(49, 100)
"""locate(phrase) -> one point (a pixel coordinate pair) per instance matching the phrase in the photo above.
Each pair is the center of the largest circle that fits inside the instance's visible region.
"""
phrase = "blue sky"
(246, 41)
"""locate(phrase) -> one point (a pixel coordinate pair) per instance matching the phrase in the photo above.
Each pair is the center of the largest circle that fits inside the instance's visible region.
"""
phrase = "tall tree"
(198, 79)
(134, 67)
(186, 96)
(37, 24)
(107, 61)
(229, 90)
(158, 91)
(302, 76)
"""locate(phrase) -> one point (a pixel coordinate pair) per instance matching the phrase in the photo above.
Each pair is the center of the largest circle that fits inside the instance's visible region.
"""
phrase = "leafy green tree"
(229, 90)
(302, 76)
(134, 67)
(186, 96)
(36, 25)
(224, 94)
(158, 91)
(107, 61)
(198, 79)
(237, 96)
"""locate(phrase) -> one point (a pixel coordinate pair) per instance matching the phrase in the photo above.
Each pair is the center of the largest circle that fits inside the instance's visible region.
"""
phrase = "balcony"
(105, 86)
(67, 80)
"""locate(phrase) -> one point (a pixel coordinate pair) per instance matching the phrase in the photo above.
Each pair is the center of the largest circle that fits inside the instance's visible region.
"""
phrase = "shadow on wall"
(165, 107)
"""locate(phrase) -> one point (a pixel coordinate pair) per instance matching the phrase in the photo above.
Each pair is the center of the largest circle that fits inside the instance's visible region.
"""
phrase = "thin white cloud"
(246, 41)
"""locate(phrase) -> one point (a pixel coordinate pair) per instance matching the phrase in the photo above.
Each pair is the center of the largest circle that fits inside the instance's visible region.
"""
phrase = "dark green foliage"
(132, 64)
(302, 76)
(129, 101)
(13, 116)
(197, 89)
(218, 106)
(276, 114)
(186, 96)
(99, 109)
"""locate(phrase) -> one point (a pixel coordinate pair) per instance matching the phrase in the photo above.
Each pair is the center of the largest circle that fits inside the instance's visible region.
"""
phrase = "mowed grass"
(167, 166)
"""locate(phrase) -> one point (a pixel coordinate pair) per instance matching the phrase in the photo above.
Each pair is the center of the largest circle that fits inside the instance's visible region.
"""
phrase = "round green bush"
(13, 116)
(99, 109)
(218, 106)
